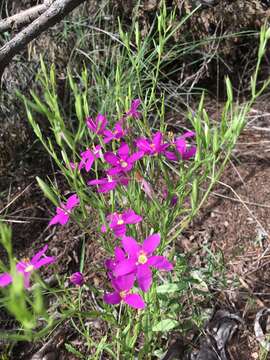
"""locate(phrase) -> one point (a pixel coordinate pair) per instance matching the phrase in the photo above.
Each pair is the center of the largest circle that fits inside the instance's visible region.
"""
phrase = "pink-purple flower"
(98, 125)
(122, 161)
(117, 221)
(77, 278)
(89, 156)
(109, 183)
(116, 134)
(133, 112)
(26, 267)
(122, 292)
(140, 259)
(181, 146)
(153, 146)
(63, 212)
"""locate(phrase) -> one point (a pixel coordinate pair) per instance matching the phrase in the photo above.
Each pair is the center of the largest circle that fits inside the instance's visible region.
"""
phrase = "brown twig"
(53, 15)
(25, 17)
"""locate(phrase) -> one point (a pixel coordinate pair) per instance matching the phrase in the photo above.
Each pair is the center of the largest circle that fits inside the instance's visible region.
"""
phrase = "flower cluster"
(133, 262)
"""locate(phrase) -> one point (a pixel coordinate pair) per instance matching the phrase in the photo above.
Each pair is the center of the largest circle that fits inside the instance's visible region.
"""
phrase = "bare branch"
(54, 14)
(25, 17)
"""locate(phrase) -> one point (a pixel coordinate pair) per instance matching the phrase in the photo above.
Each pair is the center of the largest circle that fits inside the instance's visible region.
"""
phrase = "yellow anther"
(29, 268)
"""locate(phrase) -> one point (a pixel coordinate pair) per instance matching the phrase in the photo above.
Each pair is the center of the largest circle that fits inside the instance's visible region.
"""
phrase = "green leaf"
(47, 191)
(73, 351)
(165, 325)
(171, 288)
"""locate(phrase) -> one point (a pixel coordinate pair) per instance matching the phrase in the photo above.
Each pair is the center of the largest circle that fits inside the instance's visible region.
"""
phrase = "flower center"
(123, 294)
(29, 268)
(152, 146)
(120, 222)
(110, 179)
(142, 259)
(124, 164)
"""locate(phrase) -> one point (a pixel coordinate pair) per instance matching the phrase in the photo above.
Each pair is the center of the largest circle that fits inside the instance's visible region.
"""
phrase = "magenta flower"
(98, 125)
(122, 162)
(5, 279)
(88, 157)
(181, 146)
(122, 287)
(140, 259)
(118, 222)
(77, 278)
(133, 109)
(109, 183)
(116, 134)
(26, 267)
(152, 146)
(63, 212)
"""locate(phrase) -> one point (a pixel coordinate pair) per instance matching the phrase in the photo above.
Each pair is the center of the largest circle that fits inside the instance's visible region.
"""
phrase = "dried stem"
(53, 14)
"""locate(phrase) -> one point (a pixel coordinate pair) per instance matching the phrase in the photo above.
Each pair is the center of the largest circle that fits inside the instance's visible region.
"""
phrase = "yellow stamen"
(120, 222)
(124, 163)
(142, 259)
(29, 268)
(123, 294)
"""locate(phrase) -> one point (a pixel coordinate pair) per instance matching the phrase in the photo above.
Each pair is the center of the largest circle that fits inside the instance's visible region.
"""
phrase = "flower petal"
(119, 230)
(189, 153)
(151, 243)
(124, 283)
(72, 201)
(119, 254)
(101, 123)
(38, 255)
(144, 277)
(107, 187)
(89, 163)
(112, 298)
(135, 301)
(143, 145)
(188, 134)
(130, 217)
(61, 218)
(136, 156)
(97, 181)
(157, 139)
(27, 279)
(171, 155)
(130, 246)
(125, 267)
(180, 145)
(45, 261)
(111, 158)
(123, 150)
(160, 262)
(5, 279)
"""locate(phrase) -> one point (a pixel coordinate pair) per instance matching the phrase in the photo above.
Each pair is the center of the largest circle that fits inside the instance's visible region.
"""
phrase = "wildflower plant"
(18, 296)
(144, 183)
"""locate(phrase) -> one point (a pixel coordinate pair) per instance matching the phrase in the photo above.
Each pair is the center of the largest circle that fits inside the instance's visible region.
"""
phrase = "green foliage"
(132, 69)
